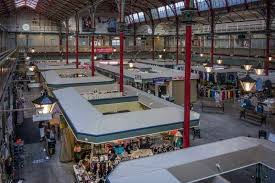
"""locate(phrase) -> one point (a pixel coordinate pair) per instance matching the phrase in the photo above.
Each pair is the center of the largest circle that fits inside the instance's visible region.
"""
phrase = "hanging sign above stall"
(104, 50)
(160, 80)
(41, 117)
(178, 78)
(138, 79)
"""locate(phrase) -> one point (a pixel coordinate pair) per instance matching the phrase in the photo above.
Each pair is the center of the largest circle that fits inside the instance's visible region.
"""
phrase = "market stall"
(162, 82)
(73, 77)
(141, 130)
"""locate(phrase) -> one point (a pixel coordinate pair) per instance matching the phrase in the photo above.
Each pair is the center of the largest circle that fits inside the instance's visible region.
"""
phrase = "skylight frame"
(29, 3)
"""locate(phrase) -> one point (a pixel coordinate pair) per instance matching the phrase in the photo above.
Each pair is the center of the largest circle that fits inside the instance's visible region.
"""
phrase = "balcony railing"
(33, 28)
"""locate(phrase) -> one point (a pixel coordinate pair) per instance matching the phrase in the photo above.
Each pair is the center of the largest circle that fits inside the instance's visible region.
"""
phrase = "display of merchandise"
(107, 156)
(18, 153)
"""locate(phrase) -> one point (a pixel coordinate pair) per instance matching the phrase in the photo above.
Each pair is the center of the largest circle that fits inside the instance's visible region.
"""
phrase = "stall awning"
(90, 125)
(55, 81)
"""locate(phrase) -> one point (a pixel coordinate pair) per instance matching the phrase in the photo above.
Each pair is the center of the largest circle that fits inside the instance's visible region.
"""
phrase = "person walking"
(217, 99)
(41, 131)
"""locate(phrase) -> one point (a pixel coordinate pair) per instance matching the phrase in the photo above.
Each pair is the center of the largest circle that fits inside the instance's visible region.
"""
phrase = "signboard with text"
(104, 50)
(41, 117)
(160, 81)
(138, 79)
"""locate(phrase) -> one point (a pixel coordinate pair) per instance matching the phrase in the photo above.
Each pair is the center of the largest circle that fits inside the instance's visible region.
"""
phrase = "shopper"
(8, 167)
(217, 99)
(77, 152)
(41, 130)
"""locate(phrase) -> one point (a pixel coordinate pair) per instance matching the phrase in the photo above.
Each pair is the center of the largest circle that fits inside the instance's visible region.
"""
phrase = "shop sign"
(41, 117)
(104, 50)
(138, 79)
(178, 78)
(34, 85)
(159, 81)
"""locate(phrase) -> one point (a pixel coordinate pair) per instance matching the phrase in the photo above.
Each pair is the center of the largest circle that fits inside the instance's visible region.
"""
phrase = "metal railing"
(33, 28)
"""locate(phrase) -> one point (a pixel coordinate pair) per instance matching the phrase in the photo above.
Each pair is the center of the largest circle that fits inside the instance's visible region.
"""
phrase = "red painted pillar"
(76, 39)
(93, 55)
(267, 55)
(153, 47)
(135, 37)
(121, 6)
(268, 33)
(187, 82)
(212, 37)
(177, 39)
(67, 43)
(76, 50)
(121, 62)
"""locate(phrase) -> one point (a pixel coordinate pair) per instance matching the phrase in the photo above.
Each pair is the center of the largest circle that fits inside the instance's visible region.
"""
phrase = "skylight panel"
(30, 3)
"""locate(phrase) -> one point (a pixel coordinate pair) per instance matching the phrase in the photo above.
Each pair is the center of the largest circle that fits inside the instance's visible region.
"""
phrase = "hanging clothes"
(203, 76)
(215, 78)
(259, 84)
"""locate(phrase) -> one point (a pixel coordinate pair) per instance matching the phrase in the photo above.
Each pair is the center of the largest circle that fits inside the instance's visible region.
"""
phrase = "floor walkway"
(37, 169)
(218, 126)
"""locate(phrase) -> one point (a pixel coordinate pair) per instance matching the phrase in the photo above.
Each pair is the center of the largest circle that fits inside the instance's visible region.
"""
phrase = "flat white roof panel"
(136, 169)
(53, 78)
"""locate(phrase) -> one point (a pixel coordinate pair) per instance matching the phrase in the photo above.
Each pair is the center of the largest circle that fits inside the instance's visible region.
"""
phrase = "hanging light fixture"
(259, 70)
(219, 61)
(247, 83)
(131, 63)
(31, 68)
(247, 66)
(44, 103)
(208, 68)
(114, 50)
(270, 58)
(201, 54)
(95, 57)
(32, 50)
(164, 50)
(160, 56)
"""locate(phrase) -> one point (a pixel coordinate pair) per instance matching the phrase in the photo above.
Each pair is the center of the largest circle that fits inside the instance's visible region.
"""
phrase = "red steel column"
(121, 40)
(268, 33)
(60, 44)
(93, 28)
(212, 37)
(177, 37)
(93, 55)
(121, 61)
(76, 39)
(67, 41)
(153, 46)
(187, 83)
(135, 37)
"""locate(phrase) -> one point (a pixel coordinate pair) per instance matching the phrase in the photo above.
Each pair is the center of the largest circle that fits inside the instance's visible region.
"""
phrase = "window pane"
(141, 16)
(135, 17)
(179, 6)
(154, 13)
(202, 5)
(235, 2)
(162, 12)
(170, 11)
(218, 3)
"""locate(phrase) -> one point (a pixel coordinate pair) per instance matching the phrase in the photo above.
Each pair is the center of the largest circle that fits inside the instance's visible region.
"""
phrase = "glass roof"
(30, 3)
(169, 10)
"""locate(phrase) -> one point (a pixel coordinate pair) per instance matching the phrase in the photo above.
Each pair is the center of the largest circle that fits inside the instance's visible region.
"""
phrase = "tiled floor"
(38, 169)
(214, 127)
